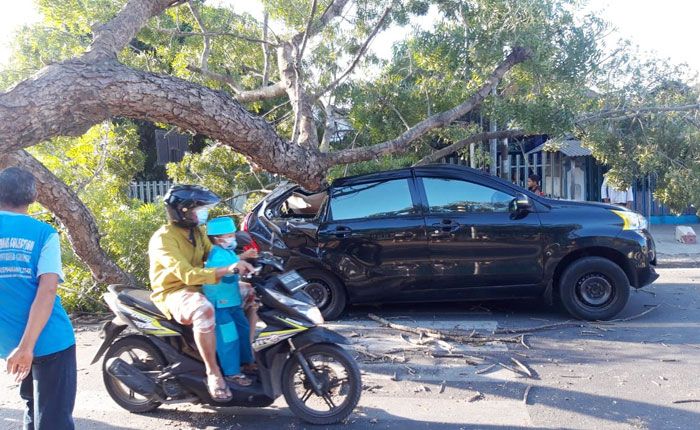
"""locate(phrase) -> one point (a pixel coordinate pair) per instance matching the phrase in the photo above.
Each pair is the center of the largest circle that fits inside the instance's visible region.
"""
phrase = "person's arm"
(19, 362)
(165, 250)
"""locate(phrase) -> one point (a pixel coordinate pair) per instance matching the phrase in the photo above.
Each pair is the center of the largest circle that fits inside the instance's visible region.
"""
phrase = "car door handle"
(341, 232)
(404, 236)
(446, 225)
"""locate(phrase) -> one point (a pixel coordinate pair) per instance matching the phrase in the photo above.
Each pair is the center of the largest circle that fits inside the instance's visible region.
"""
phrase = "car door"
(477, 239)
(373, 237)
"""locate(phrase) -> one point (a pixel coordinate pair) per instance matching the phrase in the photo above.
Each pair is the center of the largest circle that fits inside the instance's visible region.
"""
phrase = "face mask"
(229, 243)
(202, 215)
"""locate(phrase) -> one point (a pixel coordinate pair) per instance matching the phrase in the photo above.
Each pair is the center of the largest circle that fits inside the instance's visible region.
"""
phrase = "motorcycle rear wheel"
(339, 376)
(139, 352)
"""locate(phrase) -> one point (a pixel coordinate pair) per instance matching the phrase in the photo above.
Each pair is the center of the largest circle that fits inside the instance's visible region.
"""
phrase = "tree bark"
(81, 227)
(304, 126)
(68, 98)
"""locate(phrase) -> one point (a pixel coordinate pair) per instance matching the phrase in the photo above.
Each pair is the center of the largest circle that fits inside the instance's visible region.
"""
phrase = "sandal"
(240, 380)
(249, 368)
(218, 391)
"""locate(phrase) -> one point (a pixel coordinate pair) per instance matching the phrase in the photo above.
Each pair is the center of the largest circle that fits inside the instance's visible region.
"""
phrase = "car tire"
(327, 291)
(594, 288)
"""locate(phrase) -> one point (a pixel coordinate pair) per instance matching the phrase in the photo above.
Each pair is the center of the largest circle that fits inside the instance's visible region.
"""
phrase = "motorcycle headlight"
(632, 220)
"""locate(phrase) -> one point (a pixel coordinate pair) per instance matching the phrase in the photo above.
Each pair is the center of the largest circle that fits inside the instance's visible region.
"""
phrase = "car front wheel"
(594, 288)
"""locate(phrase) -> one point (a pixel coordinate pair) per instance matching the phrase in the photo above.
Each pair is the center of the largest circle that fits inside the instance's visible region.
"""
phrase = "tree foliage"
(314, 104)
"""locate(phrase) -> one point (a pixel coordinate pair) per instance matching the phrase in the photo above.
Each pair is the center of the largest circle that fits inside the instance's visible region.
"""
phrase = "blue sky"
(669, 28)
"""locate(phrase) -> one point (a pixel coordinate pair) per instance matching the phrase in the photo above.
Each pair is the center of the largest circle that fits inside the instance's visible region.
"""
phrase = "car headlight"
(632, 220)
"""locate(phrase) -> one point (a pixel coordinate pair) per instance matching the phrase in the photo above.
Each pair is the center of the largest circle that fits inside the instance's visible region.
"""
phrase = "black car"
(447, 233)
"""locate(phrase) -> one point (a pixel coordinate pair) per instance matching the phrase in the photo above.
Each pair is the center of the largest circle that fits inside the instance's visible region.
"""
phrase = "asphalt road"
(621, 375)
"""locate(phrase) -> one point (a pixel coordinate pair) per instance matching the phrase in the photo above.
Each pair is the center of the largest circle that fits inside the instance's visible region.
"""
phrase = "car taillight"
(244, 227)
(246, 219)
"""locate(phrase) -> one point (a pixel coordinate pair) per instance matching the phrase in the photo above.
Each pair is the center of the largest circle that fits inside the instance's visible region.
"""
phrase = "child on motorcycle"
(233, 346)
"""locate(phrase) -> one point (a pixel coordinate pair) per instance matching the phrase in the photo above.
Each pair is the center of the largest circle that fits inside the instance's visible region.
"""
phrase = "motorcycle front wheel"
(340, 381)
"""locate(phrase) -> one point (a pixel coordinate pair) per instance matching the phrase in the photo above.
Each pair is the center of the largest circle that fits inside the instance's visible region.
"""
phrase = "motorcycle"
(158, 362)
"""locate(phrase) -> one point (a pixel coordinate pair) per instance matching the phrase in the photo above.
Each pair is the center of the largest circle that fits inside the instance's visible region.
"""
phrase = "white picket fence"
(148, 191)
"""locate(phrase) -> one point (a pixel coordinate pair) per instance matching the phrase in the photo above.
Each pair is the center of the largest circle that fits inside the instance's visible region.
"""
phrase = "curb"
(678, 261)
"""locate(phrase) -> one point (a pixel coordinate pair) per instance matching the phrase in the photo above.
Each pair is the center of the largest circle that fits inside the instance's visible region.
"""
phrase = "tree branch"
(266, 52)
(304, 131)
(333, 10)
(402, 143)
(207, 41)
(113, 36)
(357, 58)
(243, 96)
(83, 233)
(175, 32)
(462, 143)
(627, 113)
(300, 53)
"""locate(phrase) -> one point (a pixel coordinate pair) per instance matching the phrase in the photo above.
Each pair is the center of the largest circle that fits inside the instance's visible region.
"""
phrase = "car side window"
(456, 196)
(372, 200)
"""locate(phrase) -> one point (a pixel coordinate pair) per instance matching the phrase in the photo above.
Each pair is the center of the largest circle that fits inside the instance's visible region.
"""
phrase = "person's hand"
(250, 253)
(19, 363)
(243, 267)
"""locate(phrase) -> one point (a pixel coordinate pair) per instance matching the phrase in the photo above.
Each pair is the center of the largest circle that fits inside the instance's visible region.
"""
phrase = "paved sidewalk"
(672, 253)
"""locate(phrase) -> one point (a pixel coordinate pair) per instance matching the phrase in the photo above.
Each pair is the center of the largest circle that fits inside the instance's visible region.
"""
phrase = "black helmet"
(182, 202)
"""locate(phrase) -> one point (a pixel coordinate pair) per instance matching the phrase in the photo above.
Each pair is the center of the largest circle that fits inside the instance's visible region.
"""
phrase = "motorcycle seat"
(140, 299)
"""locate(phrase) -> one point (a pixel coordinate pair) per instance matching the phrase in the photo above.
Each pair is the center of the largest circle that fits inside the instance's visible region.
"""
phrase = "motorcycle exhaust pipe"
(131, 377)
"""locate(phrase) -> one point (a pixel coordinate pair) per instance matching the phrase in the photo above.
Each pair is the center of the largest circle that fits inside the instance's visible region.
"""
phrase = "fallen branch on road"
(522, 367)
(633, 317)
(527, 393)
(572, 323)
(569, 323)
(435, 334)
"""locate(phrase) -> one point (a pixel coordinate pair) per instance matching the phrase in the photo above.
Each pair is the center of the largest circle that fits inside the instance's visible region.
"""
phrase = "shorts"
(191, 308)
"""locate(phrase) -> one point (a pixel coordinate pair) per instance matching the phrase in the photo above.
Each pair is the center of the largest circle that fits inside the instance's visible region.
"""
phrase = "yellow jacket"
(175, 264)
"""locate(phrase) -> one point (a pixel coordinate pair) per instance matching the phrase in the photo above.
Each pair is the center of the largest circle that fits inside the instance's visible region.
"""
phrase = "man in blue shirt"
(36, 336)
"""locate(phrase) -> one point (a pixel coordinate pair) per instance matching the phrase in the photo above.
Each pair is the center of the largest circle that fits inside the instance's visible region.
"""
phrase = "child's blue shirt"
(226, 293)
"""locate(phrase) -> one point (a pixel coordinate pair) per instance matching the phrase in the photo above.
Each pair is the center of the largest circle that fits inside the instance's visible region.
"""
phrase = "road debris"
(512, 369)
(436, 334)
(476, 397)
(522, 341)
(442, 387)
(485, 369)
(522, 367)
(526, 394)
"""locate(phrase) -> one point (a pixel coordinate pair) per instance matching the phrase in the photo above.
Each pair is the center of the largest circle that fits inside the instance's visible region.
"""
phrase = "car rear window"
(372, 200)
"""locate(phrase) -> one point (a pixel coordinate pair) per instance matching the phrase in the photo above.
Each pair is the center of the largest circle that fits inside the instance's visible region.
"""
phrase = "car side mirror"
(522, 203)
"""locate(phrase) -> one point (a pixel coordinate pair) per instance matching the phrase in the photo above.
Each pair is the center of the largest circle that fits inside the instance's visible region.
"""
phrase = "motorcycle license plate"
(292, 280)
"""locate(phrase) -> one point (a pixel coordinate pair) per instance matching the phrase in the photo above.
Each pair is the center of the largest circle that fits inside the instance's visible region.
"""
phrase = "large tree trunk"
(83, 234)
(68, 98)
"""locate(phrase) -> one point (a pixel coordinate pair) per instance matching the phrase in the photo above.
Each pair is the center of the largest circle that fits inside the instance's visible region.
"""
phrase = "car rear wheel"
(594, 288)
(327, 291)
